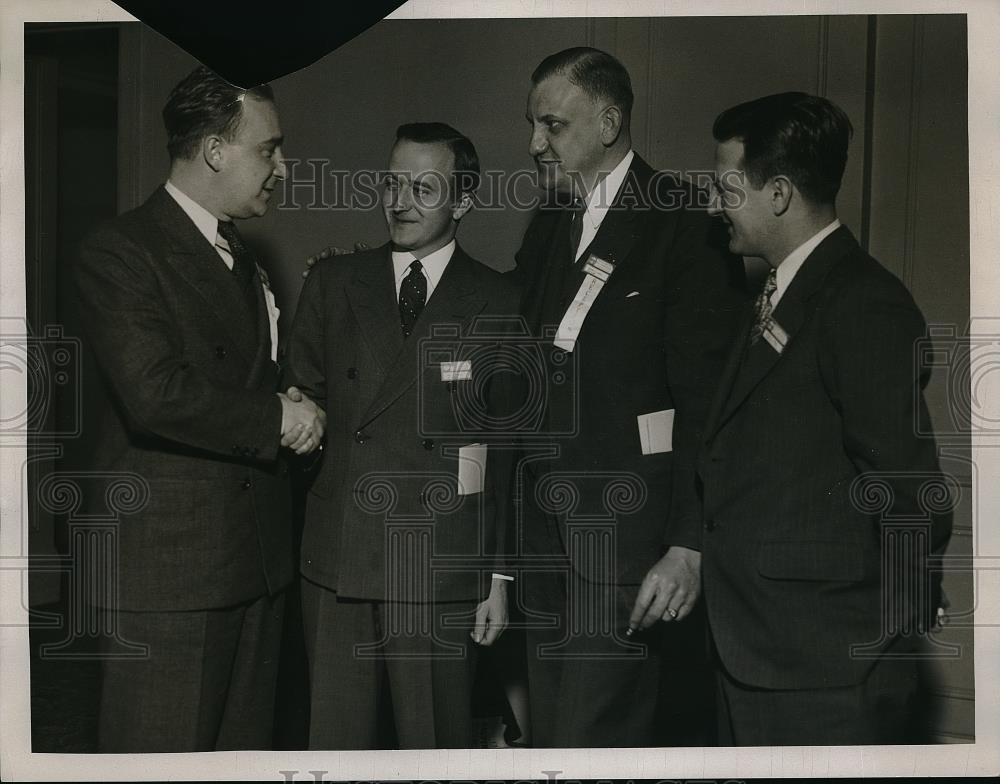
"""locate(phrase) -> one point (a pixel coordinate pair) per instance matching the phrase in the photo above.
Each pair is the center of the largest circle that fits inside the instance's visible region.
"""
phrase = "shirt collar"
(205, 221)
(600, 199)
(433, 265)
(794, 260)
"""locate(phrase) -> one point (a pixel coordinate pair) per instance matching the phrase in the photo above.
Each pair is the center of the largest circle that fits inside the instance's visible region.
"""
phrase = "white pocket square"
(632, 294)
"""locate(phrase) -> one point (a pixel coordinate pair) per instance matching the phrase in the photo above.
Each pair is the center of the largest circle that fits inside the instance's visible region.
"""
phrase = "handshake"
(302, 422)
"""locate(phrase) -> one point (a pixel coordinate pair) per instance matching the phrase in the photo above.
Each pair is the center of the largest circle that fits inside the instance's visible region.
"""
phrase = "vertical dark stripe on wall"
(869, 130)
(822, 55)
(912, 224)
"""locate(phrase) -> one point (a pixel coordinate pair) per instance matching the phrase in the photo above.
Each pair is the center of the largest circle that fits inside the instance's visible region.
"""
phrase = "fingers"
(292, 434)
(295, 394)
(479, 630)
(360, 246)
(642, 602)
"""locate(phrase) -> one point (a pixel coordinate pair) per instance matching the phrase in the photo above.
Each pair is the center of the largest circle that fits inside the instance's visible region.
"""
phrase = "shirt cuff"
(502, 577)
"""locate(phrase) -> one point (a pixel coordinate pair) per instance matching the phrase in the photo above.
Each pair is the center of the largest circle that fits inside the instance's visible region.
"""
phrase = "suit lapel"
(372, 297)
(624, 221)
(456, 299)
(795, 307)
(195, 260)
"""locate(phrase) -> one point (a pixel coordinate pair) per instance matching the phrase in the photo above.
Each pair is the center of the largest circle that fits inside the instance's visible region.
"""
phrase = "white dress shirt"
(599, 201)
(794, 261)
(208, 225)
(433, 266)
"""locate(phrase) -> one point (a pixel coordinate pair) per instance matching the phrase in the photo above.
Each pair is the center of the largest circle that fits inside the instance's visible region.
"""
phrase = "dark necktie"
(243, 262)
(576, 227)
(412, 297)
(762, 307)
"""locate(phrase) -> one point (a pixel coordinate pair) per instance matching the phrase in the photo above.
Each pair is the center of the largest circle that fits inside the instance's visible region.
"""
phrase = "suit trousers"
(877, 711)
(367, 657)
(206, 684)
(588, 686)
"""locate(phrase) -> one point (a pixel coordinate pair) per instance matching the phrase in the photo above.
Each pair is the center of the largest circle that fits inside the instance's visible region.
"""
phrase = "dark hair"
(595, 72)
(801, 136)
(202, 104)
(466, 174)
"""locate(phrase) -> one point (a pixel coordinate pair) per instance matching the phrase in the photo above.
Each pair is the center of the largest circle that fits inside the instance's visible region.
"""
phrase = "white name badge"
(775, 336)
(471, 469)
(456, 371)
(656, 431)
(597, 271)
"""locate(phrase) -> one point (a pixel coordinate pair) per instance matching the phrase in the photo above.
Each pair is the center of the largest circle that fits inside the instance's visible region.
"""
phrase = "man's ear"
(213, 152)
(611, 125)
(462, 206)
(781, 192)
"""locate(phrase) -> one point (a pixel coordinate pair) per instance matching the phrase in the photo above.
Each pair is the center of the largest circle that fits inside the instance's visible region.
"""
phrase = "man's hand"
(302, 422)
(669, 590)
(491, 615)
(329, 251)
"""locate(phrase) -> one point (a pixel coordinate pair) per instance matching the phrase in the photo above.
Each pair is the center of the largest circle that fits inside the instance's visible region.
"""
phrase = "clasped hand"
(302, 422)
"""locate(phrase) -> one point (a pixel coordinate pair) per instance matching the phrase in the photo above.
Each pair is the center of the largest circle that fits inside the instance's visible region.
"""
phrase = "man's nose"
(280, 170)
(715, 204)
(539, 141)
(402, 199)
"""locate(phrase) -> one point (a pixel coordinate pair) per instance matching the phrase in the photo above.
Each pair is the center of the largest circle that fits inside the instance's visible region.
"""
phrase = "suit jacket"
(195, 414)
(395, 423)
(655, 339)
(793, 557)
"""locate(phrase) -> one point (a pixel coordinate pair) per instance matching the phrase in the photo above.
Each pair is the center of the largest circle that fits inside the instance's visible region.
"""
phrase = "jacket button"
(360, 437)
(236, 449)
(428, 444)
(710, 525)
(247, 484)
(352, 373)
(220, 352)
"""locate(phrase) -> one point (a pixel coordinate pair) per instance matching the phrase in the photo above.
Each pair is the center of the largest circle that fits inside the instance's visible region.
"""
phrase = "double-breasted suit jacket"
(195, 413)
(398, 414)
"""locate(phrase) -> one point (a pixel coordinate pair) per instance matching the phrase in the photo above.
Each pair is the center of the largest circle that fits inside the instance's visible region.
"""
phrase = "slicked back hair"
(466, 173)
(801, 136)
(204, 104)
(597, 73)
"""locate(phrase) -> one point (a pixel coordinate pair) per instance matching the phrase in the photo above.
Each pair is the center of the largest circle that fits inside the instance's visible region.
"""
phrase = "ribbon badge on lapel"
(596, 273)
(775, 335)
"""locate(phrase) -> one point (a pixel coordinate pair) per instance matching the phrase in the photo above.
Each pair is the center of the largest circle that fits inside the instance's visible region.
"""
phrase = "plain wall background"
(902, 79)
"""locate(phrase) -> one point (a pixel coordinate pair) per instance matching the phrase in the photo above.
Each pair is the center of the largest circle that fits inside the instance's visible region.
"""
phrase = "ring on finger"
(671, 612)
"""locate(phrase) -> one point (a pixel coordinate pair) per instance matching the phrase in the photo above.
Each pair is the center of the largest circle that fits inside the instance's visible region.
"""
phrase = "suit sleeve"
(868, 368)
(140, 350)
(703, 306)
(304, 355)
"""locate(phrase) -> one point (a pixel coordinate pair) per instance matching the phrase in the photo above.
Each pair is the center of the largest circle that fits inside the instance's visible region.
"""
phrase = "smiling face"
(250, 164)
(746, 211)
(420, 210)
(568, 135)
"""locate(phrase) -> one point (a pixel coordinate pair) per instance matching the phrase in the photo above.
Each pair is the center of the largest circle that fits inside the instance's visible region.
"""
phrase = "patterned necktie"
(243, 262)
(412, 297)
(762, 307)
(576, 227)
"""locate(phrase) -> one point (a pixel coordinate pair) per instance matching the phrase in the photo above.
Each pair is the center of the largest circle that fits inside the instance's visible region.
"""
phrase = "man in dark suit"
(183, 327)
(401, 554)
(815, 602)
(632, 300)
